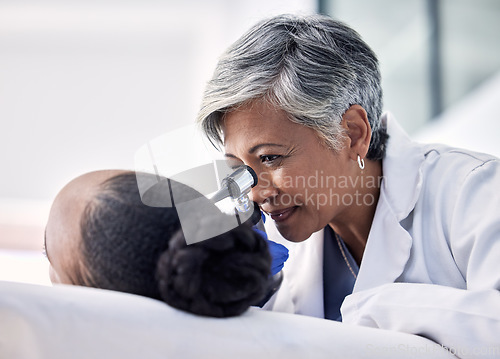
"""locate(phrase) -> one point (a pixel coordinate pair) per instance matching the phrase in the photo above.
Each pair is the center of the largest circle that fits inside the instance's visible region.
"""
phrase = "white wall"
(472, 123)
(84, 84)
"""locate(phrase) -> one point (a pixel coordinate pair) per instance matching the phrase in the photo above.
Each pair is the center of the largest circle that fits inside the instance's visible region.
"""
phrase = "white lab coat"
(432, 261)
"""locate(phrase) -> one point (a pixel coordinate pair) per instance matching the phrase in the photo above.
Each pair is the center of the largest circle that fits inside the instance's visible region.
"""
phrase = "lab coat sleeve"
(465, 320)
(475, 228)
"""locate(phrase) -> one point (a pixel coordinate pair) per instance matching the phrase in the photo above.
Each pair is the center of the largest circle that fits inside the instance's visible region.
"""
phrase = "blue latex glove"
(279, 253)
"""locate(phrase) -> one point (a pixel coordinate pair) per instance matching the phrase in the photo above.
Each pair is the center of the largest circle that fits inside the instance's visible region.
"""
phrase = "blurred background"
(85, 83)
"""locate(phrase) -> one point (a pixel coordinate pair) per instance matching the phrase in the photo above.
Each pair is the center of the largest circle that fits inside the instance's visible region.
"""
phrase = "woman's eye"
(269, 158)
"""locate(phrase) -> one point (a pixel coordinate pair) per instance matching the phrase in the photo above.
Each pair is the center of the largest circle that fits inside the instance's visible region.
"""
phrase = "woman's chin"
(292, 235)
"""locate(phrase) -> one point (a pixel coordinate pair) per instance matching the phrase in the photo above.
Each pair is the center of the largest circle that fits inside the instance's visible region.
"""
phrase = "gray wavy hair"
(312, 67)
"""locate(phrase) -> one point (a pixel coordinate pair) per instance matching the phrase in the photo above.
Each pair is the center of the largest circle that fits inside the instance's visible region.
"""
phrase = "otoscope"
(236, 186)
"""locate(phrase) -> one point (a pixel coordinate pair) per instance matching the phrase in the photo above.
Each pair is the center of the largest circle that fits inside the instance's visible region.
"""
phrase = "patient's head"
(63, 233)
(100, 234)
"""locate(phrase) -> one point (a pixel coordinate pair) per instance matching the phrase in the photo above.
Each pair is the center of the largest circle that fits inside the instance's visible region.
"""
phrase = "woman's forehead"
(257, 122)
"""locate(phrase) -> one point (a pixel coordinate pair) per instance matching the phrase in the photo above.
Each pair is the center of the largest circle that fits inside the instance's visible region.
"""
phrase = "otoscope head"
(240, 181)
(237, 185)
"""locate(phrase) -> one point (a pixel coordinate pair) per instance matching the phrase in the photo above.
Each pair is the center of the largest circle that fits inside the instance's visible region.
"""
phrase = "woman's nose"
(264, 191)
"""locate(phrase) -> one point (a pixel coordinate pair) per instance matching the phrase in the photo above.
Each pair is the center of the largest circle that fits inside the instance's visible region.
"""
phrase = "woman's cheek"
(266, 179)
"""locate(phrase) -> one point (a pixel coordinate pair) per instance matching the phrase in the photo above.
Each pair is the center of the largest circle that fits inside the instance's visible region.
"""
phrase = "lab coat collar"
(388, 247)
(401, 169)
(301, 291)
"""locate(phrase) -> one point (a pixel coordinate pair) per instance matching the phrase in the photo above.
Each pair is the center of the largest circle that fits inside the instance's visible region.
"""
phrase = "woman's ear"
(359, 131)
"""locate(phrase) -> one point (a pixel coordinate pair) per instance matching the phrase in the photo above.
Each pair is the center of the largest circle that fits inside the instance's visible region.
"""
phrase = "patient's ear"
(355, 120)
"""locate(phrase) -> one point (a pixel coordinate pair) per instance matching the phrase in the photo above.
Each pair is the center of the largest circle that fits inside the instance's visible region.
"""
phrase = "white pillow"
(67, 322)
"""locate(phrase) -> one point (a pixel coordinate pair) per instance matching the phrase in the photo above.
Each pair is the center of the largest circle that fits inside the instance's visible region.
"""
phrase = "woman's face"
(299, 177)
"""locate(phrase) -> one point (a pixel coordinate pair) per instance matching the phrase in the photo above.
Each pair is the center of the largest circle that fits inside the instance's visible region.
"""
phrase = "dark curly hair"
(131, 247)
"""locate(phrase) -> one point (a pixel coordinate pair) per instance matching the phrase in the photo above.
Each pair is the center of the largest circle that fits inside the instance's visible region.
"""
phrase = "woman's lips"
(282, 214)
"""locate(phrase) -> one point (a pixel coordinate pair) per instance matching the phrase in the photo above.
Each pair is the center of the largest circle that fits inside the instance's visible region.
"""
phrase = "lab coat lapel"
(305, 277)
(301, 291)
(387, 250)
(389, 244)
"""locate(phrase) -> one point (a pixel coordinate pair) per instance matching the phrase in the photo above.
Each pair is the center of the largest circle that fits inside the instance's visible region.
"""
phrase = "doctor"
(382, 231)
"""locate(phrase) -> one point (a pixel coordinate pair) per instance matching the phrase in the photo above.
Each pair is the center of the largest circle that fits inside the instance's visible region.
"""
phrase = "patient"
(100, 234)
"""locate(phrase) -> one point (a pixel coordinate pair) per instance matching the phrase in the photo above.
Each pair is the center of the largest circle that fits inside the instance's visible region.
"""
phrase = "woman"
(385, 224)
(100, 234)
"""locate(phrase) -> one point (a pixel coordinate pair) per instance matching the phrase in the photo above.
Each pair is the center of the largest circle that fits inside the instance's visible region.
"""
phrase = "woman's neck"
(354, 224)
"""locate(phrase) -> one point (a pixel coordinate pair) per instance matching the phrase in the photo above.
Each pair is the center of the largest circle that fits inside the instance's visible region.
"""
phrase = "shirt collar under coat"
(388, 247)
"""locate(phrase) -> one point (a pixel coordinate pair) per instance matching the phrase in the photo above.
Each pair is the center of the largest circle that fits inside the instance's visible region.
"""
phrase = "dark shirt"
(338, 280)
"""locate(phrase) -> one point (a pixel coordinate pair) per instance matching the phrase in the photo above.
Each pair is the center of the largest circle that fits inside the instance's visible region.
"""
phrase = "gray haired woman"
(380, 223)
